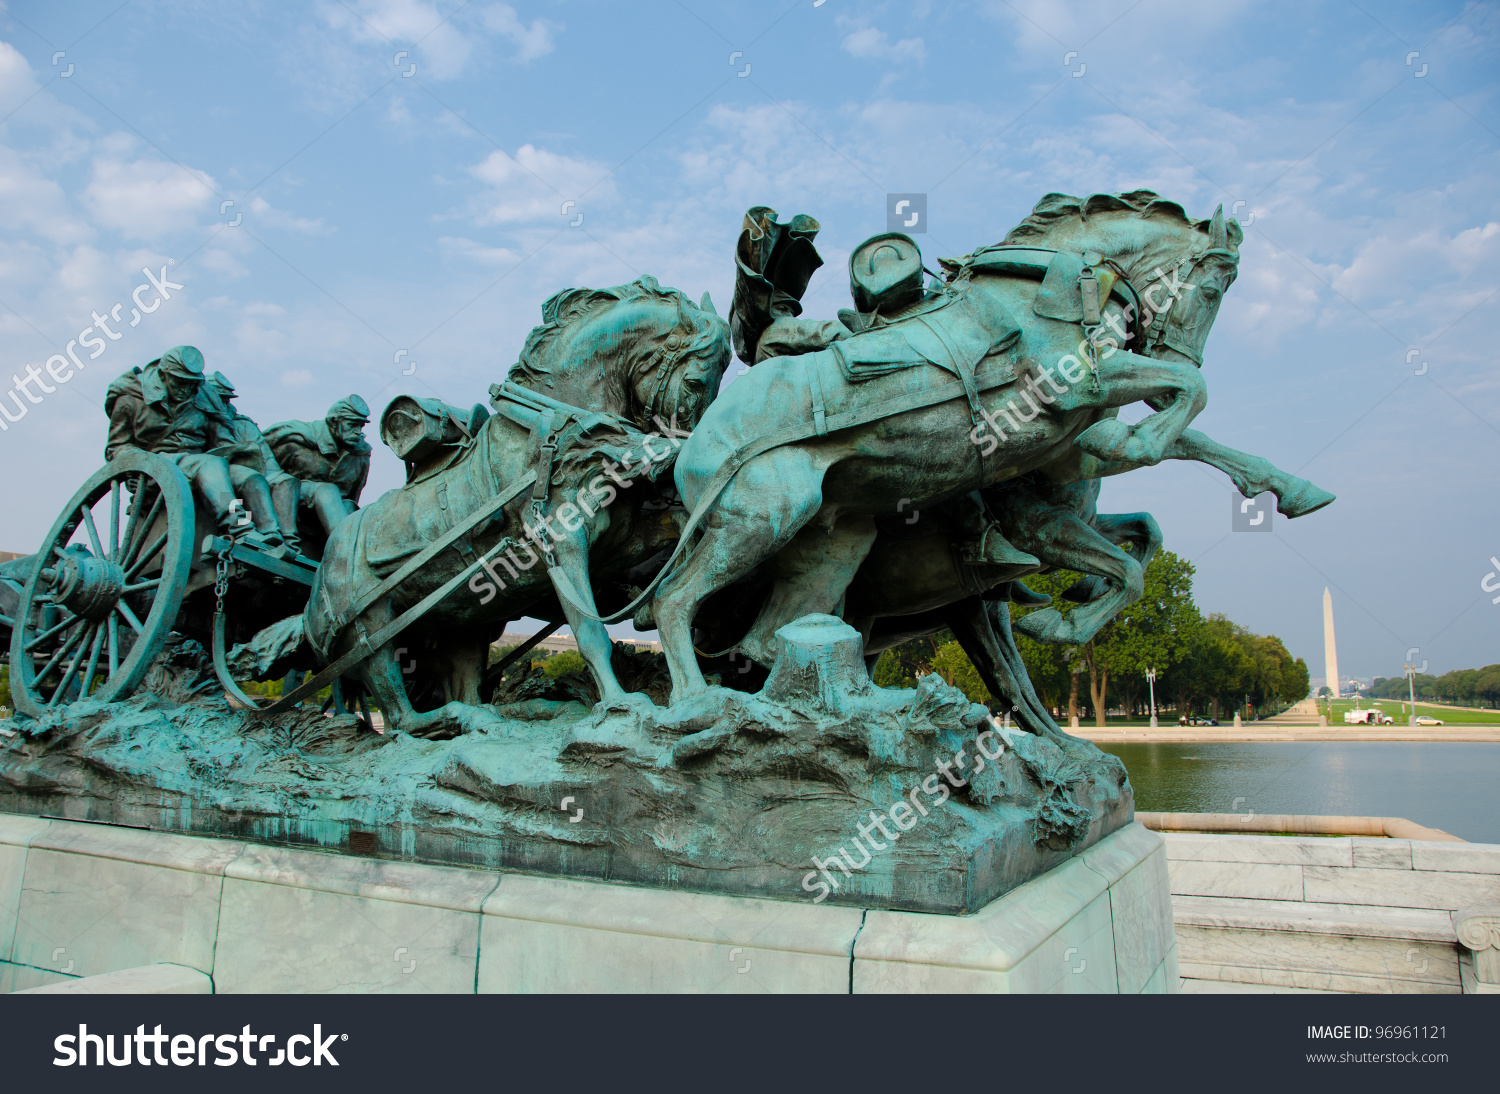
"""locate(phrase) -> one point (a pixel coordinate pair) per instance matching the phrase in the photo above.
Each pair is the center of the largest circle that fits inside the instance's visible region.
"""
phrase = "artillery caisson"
(129, 561)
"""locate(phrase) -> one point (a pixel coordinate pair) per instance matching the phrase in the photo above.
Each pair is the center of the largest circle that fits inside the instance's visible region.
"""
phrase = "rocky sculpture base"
(820, 788)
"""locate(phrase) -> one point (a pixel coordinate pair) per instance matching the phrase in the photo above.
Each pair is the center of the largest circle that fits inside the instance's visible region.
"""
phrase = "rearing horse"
(807, 494)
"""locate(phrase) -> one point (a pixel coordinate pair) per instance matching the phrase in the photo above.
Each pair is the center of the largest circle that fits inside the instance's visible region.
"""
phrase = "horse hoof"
(1304, 499)
(1047, 625)
(629, 701)
(1105, 440)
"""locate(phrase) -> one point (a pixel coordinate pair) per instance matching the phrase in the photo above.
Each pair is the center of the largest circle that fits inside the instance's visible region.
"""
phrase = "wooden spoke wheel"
(106, 588)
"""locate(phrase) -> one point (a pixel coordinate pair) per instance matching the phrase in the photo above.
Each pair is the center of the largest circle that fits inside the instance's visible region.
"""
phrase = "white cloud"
(267, 214)
(442, 44)
(145, 198)
(872, 44)
(533, 184)
(459, 247)
(296, 377)
(531, 41)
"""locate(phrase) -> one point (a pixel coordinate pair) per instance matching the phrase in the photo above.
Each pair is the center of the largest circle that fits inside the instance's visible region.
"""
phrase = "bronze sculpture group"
(611, 478)
(895, 471)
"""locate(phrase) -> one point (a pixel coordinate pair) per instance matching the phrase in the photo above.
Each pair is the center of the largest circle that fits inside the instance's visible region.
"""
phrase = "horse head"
(639, 350)
(1179, 267)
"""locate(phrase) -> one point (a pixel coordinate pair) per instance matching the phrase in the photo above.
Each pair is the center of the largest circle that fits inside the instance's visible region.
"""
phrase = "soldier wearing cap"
(166, 408)
(253, 468)
(331, 458)
(885, 281)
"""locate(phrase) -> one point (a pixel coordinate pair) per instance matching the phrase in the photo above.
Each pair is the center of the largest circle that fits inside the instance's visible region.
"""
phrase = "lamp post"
(1411, 691)
(1151, 683)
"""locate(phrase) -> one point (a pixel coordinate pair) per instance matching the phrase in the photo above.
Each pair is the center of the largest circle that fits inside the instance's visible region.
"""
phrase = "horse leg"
(1251, 475)
(982, 628)
(464, 655)
(1179, 390)
(758, 513)
(594, 643)
(813, 571)
(1071, 543)
(381, 674)
(1140, 530)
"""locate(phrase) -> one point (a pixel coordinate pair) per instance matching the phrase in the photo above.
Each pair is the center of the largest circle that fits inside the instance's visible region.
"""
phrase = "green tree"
(564, 661)
(1153, 632)
(902, 666)
(953, 665)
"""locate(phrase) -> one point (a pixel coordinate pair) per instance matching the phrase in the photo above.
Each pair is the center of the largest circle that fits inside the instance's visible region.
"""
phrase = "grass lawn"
(1397, 710)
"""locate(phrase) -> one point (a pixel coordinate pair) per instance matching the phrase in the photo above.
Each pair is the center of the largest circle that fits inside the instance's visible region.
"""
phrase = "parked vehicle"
(1357, 717)
(1196, 720)
(1426, 720)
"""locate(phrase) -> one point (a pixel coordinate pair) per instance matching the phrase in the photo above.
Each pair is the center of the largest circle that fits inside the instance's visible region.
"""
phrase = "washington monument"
(1330, 648)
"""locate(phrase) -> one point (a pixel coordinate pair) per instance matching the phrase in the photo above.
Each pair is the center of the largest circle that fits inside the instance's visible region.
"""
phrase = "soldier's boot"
(286, 497)
(257, 495)
(981, 542)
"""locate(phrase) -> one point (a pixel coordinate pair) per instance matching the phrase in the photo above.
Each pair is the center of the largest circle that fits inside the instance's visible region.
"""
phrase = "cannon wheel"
(106, 590)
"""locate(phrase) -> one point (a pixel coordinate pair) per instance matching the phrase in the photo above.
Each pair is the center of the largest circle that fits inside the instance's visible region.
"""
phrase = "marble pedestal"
(79, 900)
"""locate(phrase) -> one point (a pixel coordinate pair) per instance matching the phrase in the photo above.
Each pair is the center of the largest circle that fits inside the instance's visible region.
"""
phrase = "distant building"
(557, 643)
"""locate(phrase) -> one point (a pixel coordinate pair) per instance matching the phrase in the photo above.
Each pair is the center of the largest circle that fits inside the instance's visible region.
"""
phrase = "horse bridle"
(1157, 333)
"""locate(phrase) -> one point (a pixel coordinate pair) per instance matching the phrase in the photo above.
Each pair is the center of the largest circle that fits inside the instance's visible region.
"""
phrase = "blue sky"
(380, 212)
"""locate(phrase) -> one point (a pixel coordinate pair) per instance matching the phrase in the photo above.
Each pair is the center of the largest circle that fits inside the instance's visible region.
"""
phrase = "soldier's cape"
(146, 384)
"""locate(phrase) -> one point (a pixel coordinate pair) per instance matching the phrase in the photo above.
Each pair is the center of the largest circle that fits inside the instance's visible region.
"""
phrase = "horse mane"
(564, 310)
(1061, 214)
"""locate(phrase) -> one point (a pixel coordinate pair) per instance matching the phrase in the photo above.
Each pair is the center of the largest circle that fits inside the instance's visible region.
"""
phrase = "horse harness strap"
(546, 430)
(367, 643)
(849, 419)
(815, 386)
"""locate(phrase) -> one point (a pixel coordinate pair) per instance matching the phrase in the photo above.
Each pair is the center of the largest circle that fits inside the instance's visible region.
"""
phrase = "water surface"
(1452, 785)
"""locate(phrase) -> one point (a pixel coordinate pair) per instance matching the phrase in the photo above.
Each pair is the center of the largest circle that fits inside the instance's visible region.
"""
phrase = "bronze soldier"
(331, 458)
(253, 468)
(167, 409)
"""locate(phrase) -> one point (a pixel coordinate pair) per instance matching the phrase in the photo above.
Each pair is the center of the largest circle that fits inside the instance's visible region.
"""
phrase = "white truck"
(1357, 717)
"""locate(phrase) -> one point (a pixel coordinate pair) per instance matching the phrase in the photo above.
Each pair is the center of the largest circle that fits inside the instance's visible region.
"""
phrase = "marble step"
(1328, 947)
